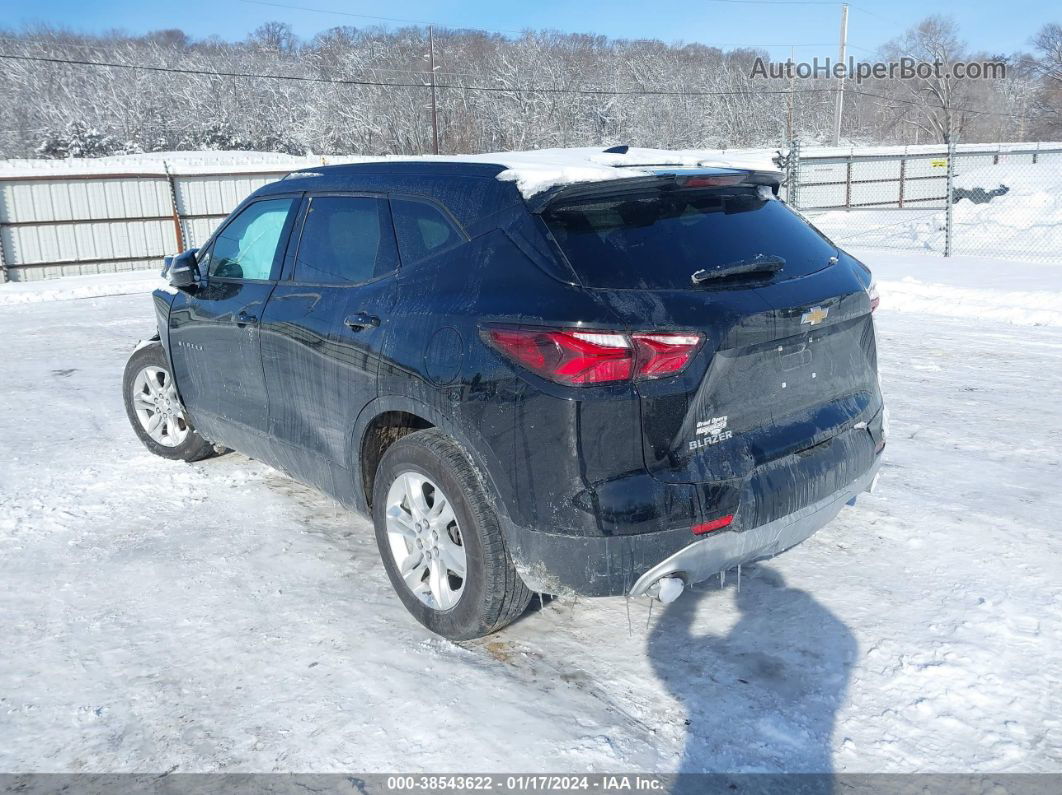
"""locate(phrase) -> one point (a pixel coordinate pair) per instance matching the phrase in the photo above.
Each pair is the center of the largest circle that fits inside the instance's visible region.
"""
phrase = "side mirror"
(181, 270)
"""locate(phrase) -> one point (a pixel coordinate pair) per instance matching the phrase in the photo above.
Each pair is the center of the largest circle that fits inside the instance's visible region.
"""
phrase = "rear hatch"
(788, 361)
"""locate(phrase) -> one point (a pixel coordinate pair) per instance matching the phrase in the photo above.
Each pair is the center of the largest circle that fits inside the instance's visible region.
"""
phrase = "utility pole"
(949, 226)
(1021, 119)
(840, 83)
(792, 98)
(434, 116)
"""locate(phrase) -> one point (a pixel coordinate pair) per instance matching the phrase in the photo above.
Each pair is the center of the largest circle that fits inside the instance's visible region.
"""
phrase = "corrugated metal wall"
(64, 224)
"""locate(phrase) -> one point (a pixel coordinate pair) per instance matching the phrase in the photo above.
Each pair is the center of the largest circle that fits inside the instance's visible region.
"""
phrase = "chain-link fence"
(1006, 201)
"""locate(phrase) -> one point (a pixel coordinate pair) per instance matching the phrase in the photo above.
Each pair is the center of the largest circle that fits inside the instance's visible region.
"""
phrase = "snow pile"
(1017, 307)
(1018, 293)
(68, 287)
(1027, 217)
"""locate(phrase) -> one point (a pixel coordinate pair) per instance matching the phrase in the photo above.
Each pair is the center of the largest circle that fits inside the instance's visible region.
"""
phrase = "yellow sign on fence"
(943, 163)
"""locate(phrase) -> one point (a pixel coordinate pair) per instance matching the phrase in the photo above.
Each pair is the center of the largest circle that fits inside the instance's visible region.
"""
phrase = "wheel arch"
(385, 420)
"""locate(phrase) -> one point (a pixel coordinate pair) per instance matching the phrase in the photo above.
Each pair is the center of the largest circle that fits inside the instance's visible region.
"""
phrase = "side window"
(422, 229)
(247, 247)
(345, 239)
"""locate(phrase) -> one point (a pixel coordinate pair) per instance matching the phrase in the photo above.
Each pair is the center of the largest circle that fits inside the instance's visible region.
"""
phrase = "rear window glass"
(658, 240)
(422, 229)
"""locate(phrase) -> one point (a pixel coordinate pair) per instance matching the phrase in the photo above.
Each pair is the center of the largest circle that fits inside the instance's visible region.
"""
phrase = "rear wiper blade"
(762, 263)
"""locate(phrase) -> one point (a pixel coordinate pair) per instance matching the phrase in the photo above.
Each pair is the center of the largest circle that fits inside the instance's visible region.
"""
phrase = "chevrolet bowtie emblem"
(815, 315)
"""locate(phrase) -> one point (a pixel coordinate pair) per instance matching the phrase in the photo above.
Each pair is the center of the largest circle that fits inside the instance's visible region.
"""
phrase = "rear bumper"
(726, 550)
(618, 565)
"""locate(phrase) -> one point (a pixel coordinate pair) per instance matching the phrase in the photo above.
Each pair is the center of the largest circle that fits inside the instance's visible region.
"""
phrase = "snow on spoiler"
(545, 170)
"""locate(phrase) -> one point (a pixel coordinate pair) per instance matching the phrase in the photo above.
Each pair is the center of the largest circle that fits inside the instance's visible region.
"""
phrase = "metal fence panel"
(96, 241)
(1006, 201)
(67, 200)
(217, 194)
(121, 213)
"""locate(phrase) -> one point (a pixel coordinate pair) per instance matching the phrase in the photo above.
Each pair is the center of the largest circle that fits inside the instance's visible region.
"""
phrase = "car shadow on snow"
(763, 696)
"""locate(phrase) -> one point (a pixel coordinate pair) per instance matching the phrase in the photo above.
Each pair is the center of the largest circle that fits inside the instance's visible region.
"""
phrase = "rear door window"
(422, 229)
(345, 240)
(658, 239)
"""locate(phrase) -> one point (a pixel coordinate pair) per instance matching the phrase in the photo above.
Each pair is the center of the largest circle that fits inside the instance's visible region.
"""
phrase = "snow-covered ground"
(220, 617)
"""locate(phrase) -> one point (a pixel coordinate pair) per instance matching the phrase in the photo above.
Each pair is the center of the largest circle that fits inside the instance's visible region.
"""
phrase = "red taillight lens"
(715, 524)
(570, 357)
(581, 358)
(664, 354)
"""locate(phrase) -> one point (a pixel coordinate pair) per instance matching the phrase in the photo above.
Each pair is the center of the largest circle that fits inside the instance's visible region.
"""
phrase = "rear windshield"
(658, 240)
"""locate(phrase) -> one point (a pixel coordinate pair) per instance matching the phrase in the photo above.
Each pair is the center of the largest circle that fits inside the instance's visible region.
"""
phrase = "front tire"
(440, 539)
(155, 411)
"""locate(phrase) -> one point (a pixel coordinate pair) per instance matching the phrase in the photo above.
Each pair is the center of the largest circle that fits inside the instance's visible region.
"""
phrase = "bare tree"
(938, 104)
(365, 91)
(1046, 104)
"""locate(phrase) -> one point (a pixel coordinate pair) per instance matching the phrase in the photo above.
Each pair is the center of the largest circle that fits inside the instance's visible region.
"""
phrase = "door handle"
(244, 319)
(361, 320)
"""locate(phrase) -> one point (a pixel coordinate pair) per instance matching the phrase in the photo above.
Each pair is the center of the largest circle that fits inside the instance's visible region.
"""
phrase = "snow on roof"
(532, 171)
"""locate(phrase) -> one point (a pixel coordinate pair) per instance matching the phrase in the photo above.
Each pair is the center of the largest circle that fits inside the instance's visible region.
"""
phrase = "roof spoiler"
(661, 177)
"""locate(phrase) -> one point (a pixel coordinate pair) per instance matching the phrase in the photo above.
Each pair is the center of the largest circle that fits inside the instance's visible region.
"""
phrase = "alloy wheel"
(425, 540)
(158, 408)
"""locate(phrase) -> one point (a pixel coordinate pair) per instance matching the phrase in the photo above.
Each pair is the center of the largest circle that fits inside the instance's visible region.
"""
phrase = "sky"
(811, 26)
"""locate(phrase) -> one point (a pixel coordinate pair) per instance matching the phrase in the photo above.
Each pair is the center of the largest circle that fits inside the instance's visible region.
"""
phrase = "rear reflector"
(715, 524)
(580, 358)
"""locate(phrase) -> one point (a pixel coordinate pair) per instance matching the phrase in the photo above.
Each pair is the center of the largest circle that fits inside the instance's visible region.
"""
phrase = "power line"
(934, 107)
(876, 15)
(381, 84)
(495, 89)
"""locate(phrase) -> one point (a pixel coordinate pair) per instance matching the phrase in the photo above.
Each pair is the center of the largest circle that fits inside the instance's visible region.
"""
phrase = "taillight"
(715, 524)
(664, 354)
(711, 180)
(872, 293)
(580, 358)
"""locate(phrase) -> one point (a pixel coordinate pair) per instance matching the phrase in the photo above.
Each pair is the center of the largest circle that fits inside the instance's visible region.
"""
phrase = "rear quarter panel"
(544, 446)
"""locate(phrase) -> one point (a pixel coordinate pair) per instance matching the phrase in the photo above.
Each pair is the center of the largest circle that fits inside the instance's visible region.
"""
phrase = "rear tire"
(455, 529)
(154, 410)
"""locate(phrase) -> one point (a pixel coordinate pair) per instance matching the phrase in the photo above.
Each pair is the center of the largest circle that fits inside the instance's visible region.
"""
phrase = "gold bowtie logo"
(815, 315)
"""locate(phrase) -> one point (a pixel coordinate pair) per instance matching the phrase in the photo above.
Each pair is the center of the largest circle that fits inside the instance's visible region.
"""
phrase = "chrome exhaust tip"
(667, 589)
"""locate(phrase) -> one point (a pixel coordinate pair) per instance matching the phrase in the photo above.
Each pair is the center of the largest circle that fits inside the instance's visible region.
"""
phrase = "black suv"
(608, 388)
